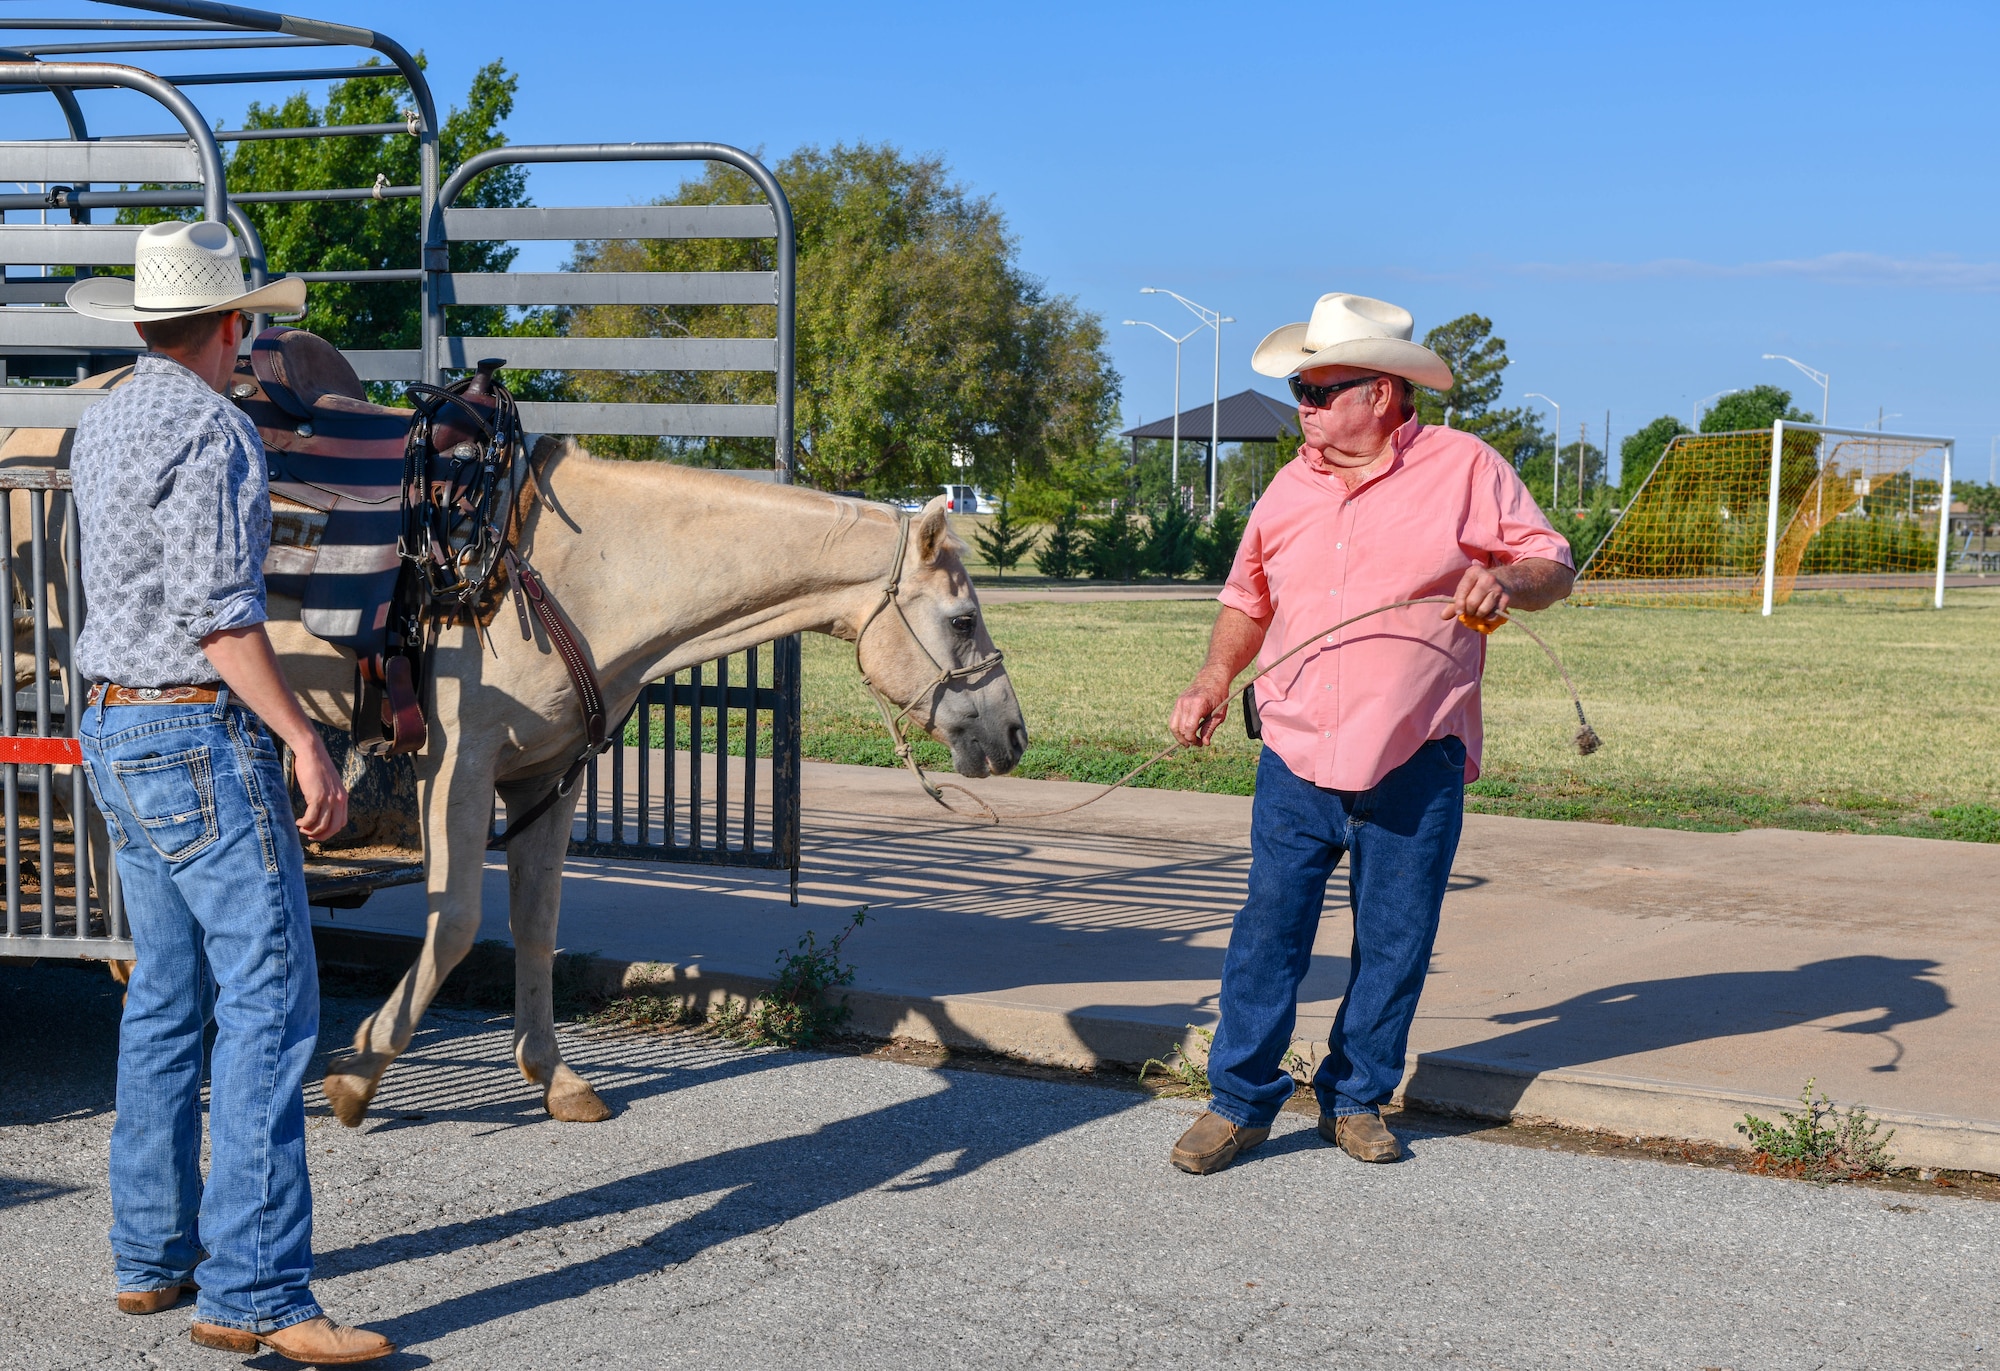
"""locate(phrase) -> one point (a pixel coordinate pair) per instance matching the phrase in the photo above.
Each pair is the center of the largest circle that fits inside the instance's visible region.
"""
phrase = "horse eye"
(962, 623)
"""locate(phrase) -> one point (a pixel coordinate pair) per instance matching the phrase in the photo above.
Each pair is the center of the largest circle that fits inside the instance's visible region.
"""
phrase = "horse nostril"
(1017, 738)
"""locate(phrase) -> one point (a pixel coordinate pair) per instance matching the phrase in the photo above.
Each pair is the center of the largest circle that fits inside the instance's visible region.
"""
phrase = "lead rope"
(1586, 740)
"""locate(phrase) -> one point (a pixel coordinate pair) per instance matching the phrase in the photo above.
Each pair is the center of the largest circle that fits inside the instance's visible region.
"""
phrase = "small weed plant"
(794, 1013)
(1820, 1143)
(1183, 1078)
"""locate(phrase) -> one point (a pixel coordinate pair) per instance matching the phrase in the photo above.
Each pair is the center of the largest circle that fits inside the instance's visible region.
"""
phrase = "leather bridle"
(893, 715)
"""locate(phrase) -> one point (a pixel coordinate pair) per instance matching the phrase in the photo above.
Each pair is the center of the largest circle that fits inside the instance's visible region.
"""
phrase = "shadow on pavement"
(1646, 1016)
(59, 1022)
(940, 1137)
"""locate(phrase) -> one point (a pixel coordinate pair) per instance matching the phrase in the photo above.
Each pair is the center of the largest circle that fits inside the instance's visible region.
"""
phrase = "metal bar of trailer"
(613, 354)
(254, 135)
(51, 162)
(609, 288)
(9, 724)
(541, 223)
(251, 78)
(657, 421)
(70, 75)
(220, 41)
(65, 198)
(45, 828)
(436, 256)
(79, 793)
(114, 25)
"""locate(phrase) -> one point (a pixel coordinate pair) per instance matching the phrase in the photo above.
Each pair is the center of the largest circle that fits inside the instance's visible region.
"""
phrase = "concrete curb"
(1444, 1083)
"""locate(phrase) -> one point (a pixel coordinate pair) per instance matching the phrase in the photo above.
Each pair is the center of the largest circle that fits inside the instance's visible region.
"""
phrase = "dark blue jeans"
(1402, 836)
(195, 802)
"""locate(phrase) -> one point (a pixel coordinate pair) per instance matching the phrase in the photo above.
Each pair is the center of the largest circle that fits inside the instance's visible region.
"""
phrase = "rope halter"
(892, 714)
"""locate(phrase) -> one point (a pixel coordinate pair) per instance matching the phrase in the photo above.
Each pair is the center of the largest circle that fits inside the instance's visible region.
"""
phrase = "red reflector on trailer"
(40, 751)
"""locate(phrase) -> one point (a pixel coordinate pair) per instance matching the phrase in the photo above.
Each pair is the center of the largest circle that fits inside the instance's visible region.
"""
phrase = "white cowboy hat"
(181, 269)
(1352, 331)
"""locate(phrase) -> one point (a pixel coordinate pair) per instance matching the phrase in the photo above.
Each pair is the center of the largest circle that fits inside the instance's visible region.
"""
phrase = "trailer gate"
(688, 787)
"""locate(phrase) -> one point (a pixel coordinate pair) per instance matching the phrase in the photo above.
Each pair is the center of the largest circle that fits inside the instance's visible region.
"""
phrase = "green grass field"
(1855, 717)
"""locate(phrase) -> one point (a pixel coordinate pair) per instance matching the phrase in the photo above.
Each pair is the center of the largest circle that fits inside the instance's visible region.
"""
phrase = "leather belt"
(105, 693)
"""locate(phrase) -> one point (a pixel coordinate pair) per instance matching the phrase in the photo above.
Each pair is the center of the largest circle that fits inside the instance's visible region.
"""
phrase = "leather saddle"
(341, 458)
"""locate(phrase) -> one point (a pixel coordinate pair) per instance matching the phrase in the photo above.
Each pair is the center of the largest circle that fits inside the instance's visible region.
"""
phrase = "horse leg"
(456, 799)
(534, 900)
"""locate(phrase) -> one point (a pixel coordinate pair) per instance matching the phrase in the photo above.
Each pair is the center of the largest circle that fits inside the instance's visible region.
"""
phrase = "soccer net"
(1756, 518)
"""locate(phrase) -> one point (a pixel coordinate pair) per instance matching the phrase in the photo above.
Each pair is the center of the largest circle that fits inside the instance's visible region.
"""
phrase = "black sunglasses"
(1319, 397)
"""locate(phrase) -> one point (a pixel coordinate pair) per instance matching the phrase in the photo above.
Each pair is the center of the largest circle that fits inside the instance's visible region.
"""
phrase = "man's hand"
(1231, 644)
(243, 658)
(1198, 713)
(1480, 595)
(1485, 593)
(326, 796)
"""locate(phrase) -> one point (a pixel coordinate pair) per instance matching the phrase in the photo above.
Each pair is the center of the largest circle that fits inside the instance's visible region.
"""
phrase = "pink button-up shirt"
(1348, 711)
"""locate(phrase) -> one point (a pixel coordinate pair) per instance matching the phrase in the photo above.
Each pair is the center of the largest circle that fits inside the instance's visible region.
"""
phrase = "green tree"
(1002, 541)
(1478, 363)
(1169, 546)
(369, 235)
(1215, 546)
(1061, 555)
(1757, 407)
(1085, 476)
(1640, 452)
(1111, 545)
(918, 331)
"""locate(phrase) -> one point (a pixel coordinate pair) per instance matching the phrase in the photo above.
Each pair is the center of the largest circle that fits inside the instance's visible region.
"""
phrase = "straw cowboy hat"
(1352, 331)
(182, 269)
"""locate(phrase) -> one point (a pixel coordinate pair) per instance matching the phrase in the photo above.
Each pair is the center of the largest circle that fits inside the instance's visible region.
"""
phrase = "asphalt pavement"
(780, 1210)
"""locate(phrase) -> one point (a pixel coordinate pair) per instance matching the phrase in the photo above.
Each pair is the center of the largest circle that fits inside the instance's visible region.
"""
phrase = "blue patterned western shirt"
(175, 512)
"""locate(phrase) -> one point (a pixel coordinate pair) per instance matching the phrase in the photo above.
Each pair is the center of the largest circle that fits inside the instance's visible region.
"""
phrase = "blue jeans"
(1403, 835)
(208, 855)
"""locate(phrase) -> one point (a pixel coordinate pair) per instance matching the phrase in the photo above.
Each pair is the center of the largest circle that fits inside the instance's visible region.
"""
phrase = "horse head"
(927, 656)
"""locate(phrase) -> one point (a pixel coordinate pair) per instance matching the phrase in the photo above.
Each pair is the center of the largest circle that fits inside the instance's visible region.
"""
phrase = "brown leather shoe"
(153, 1301)
(1213, 1143)
(319, 1341)
(1363, 1137)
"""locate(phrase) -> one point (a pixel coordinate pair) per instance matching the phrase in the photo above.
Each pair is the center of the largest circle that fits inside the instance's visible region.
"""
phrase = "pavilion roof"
(1249, 416)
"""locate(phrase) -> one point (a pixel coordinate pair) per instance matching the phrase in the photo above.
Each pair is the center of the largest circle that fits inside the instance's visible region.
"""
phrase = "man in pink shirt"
(1370, 735)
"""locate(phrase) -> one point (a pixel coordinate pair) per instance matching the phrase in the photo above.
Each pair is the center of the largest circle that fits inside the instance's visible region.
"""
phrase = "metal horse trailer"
(667, 795)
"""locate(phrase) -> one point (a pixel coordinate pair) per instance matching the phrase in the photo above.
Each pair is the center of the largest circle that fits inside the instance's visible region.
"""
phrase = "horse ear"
(933, 530)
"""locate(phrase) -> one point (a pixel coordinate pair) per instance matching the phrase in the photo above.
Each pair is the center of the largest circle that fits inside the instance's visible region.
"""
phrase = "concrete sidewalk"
(1634, 980)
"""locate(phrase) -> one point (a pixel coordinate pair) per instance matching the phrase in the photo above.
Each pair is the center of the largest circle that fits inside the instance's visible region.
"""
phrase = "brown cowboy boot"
(1363, 1137)
(319, 1341)
(1213, 1143)
(153, 1301)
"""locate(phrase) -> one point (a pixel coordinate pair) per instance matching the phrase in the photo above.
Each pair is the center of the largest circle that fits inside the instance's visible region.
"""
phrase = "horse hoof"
(569, 1099)
(350, 1085)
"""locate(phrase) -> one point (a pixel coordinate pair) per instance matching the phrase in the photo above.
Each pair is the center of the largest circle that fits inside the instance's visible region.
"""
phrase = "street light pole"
(1141, 323)
(1695, 422)
(1555, 495)
(1813, 374)
(1210, 319)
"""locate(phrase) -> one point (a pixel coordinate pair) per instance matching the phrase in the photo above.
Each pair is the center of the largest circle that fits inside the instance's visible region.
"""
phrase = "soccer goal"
(1732, 520)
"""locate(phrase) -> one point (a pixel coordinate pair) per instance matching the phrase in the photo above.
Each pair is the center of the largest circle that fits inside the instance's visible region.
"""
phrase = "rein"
(1587, 740)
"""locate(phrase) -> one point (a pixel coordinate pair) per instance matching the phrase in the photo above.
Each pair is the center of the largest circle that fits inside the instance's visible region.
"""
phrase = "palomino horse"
(659, 567)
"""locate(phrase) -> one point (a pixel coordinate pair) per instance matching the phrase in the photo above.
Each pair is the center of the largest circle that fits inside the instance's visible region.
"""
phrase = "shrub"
(1215, 545)
(1169, 547)
(1060, 557)
(1002, 541)
(1111, 545)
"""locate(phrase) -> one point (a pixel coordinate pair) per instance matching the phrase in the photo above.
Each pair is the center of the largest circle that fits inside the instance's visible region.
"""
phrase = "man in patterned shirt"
(178, 741)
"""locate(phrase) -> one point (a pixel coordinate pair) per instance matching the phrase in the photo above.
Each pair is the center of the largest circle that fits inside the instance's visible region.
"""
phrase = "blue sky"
(1643, 198)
